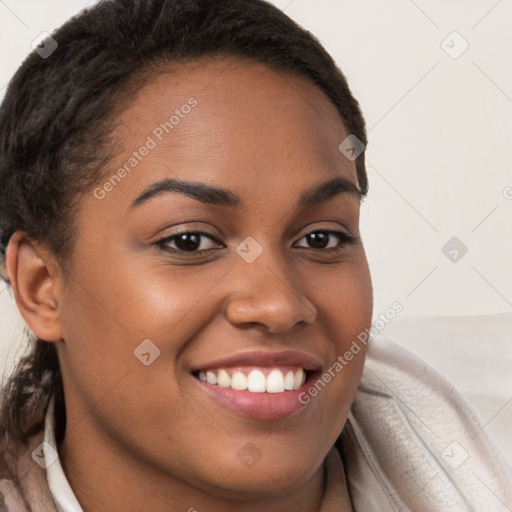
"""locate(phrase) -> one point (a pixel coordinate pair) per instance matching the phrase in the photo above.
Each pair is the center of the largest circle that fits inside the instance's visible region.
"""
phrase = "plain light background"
(440, 130)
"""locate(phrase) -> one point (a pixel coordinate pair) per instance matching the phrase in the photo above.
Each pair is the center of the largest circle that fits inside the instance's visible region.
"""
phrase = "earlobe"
(36, 284)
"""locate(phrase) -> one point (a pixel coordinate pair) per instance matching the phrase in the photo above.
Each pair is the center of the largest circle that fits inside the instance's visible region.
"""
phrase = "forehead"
(230, 121)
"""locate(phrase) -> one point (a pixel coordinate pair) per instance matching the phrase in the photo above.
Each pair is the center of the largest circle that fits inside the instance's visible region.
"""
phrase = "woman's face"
(267, 289)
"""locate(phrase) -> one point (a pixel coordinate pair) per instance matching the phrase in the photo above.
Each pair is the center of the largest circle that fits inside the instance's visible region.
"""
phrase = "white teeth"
(275, 382)
(239, 381)
(288, 381)
(211, 378)
(256, 382)
(223, 379)
(299, 379)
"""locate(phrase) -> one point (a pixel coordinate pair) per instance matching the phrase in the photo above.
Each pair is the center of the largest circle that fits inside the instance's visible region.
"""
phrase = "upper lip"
(262, 358)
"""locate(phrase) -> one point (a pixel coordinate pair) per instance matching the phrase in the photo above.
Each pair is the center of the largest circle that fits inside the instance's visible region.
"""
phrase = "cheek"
(111, 312)
(343, 297)
(104, 371)
(346, 318)
(119, 306)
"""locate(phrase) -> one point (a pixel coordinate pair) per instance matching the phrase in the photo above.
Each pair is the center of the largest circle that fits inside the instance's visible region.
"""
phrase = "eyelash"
(344, 238)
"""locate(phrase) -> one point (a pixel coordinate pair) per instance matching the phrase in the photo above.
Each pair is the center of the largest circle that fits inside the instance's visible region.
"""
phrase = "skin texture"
(149, 435)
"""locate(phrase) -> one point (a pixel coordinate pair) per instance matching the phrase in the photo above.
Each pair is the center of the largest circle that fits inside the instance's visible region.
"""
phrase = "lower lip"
(261, 406)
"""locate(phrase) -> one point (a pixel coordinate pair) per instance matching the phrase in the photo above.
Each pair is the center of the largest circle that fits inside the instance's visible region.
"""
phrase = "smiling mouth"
(254, 379)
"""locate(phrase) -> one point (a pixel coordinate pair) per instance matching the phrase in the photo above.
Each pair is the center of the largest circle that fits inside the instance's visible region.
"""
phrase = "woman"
(181, 183)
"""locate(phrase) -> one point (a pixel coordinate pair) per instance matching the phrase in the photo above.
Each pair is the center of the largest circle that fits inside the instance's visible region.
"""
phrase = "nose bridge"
(264, 292)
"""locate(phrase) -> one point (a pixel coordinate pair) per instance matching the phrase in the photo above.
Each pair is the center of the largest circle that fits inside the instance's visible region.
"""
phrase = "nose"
(267, 296)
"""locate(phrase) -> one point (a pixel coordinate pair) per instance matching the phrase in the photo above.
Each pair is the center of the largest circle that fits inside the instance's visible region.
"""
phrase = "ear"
(36, 281)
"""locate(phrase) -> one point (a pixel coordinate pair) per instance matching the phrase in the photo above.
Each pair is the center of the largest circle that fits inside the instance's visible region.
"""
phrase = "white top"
(65, 499)
(411, 443)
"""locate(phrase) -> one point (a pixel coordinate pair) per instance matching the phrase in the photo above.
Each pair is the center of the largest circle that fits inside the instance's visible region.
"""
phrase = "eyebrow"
(209, 194)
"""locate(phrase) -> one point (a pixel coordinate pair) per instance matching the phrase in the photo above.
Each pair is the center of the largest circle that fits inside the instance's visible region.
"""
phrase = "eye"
(328, 240)
(202, 243)
(189, 242)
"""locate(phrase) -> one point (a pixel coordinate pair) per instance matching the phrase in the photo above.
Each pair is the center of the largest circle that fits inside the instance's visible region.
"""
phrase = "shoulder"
(418, 439)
